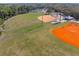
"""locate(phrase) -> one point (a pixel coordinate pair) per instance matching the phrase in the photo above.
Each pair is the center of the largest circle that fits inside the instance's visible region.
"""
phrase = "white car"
(54, 22)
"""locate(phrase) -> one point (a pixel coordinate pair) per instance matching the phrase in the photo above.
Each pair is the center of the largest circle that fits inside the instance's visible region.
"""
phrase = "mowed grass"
(22, 20)
(26, 35)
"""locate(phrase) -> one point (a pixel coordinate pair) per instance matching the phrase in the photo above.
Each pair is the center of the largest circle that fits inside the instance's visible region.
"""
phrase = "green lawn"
(26, 35)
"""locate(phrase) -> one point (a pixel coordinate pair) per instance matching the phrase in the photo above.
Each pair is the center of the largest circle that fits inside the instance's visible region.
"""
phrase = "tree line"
(9, 11)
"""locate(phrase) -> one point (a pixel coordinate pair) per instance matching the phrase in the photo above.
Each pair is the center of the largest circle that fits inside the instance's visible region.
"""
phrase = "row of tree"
(9, 11)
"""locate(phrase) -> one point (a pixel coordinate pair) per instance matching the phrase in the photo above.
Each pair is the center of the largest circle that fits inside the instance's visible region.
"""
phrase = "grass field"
(26, 35)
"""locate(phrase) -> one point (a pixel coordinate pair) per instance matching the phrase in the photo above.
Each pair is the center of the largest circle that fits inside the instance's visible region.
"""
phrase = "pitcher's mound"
(47, 18)
(69, 34)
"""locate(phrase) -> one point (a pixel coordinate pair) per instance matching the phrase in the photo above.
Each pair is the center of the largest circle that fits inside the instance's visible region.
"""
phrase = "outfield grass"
(26, 35)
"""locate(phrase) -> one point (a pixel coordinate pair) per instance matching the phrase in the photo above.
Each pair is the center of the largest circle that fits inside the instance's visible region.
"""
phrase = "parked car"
(68, 18)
